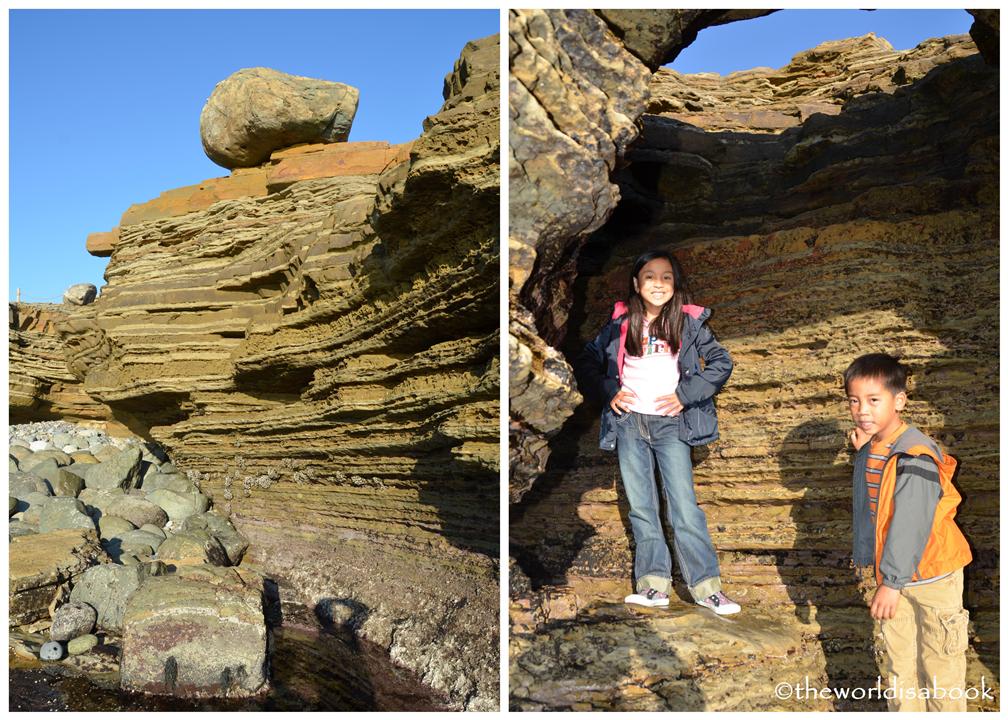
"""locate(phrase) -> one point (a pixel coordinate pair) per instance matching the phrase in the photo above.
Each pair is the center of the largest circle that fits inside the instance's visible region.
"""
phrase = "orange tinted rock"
(197, 197)
(100, 244)
(305, 162)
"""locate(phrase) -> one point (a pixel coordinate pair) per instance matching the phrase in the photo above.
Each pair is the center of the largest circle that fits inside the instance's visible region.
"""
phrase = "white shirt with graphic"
(654, 374)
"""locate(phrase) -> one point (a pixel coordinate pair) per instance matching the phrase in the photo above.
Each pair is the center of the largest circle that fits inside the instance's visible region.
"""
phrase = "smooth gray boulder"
(138, 511)
(30, 507)
(139, 543)
(71, 620)
(179, 506)
(176, 482)
(61, 458)
(107, 588)
(20, 484)
(64, 513)
(233, 542)
(192, 547)
(258, 110)
(62, 482)
(154, 530)
(110, 526)
(120, 471)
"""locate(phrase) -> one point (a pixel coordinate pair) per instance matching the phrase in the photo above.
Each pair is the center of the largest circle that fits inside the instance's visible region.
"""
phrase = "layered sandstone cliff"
(845, 203)
(317, 338)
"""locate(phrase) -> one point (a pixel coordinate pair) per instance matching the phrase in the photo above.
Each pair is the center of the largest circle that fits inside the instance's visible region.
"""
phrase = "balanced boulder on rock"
(255, 111)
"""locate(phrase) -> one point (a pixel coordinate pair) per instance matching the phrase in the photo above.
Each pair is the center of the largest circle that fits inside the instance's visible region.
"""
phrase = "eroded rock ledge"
(335, 307)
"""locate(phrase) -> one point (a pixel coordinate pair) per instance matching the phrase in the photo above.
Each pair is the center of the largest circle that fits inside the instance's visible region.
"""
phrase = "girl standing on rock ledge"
(657, 367)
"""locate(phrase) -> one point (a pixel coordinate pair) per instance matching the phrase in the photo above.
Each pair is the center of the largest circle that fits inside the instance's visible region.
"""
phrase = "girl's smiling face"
(655, 283)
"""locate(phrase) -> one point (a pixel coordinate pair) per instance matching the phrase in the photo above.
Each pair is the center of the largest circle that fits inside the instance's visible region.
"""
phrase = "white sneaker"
(719, 603)
(650, 598)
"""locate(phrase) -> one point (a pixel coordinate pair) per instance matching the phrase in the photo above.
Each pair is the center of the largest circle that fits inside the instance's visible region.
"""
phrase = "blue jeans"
(640, 440)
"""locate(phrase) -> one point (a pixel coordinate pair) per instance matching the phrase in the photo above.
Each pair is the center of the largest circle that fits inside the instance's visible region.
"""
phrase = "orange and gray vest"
(946, 548)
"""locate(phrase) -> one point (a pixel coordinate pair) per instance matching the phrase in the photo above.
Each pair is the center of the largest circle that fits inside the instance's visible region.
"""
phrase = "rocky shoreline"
(119, 564)
(120, 572)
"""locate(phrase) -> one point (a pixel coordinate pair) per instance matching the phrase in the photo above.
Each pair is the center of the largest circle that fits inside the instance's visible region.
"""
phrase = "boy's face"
(873, 407)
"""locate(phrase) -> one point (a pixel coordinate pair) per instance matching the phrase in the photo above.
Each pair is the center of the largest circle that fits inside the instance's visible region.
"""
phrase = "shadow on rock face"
(822, 587)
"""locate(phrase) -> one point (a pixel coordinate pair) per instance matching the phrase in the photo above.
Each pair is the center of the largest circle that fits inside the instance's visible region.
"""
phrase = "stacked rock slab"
(40, 384)
(38, 570)
(322, 349)
(843, 204)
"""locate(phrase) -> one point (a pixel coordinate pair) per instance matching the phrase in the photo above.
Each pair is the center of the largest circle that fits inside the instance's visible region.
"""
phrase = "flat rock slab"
(190, 638)
(39, 564)
(680, 658)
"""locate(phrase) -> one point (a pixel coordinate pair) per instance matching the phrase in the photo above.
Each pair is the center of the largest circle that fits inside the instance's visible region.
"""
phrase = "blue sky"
(104, 106)
(774, 39)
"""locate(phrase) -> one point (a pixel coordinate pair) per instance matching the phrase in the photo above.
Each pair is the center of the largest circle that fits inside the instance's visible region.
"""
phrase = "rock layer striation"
(315, 341)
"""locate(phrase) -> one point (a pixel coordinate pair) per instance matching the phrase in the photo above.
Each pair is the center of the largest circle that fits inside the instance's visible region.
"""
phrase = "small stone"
(51, 651)
(72, 619)
(13, 505)
(82, 644)
(80, 294)
(38, 445)
(83, 457)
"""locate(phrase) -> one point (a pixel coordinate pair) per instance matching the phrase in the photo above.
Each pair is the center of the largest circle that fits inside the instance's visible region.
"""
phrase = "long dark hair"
(669, 323)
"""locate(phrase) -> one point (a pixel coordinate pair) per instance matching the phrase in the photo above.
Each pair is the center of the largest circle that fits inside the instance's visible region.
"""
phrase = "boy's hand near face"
(883, 605)
(859, 437)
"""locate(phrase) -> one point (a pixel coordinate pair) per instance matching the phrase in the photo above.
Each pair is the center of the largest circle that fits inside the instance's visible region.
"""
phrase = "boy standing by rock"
(904, 524)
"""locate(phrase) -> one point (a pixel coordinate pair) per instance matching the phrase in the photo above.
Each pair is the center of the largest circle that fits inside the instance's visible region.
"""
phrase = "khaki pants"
(924, 646)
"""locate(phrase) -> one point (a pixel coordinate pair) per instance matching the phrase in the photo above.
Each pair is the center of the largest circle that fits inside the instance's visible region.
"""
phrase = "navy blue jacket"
(597, 368)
